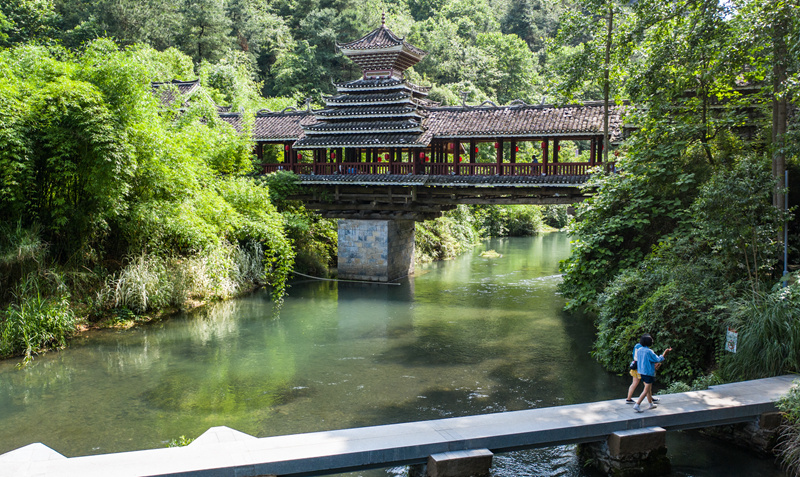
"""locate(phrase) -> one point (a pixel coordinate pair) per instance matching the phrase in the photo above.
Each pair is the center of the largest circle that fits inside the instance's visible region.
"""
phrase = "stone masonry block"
(376, 250)
(769, 420)
(636, 441)
(466, 463)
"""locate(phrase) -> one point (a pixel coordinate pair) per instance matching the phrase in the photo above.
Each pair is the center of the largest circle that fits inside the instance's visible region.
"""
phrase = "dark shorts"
(648, 379)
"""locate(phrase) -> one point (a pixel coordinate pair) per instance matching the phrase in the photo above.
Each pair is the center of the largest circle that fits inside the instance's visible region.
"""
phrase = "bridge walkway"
(226, 452)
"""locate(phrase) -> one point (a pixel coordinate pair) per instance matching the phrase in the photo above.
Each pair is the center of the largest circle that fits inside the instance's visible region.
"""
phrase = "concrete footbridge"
(449, 447)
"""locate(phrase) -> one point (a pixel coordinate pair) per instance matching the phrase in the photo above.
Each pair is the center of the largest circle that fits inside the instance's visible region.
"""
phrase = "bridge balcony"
(441, 169)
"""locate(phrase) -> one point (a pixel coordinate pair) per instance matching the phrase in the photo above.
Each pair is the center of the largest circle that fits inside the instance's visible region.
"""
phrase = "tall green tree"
(533, 21)
(767, 35)
(511, 72)
(687, 68)
(206, 29)
(26, 20)
(72, 174)
(592, 36)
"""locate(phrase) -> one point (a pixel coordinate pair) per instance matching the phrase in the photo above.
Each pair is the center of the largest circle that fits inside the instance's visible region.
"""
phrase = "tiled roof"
(374, 84)
(168, 92)
(370, 83)
(234, 119)
(520, 121)
(360, 140)
(378, 39)
(286, 126)
(465, 123)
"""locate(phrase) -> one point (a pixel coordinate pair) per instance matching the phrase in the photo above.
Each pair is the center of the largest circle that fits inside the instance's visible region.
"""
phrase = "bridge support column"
(466, 463)
(376, 250)
(758, 436)
(636, 452)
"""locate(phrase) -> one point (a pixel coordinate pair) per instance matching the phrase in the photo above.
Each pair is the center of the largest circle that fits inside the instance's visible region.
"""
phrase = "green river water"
(468, 336)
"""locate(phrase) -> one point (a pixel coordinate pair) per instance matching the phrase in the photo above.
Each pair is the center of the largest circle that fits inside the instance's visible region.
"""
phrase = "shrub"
(788, 448)
(142, 285)
(21, 252)
(699, 384)
(680, 303)
(509, 220)
(555, 216)
(39, 317)
(524, 220)
(150, 282)
(446, 237)
(684, 291)
(769, 335)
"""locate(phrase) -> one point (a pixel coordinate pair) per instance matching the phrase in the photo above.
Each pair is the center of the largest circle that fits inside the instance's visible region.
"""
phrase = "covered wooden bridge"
(383, 124)
(481, 140)
(381, 155)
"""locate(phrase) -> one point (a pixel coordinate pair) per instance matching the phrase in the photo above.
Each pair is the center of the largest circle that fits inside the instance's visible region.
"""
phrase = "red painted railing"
(404, 168)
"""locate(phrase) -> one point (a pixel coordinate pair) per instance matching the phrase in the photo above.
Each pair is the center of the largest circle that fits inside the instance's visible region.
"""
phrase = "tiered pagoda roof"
(381, 53)
(383, 110)
(380, 109)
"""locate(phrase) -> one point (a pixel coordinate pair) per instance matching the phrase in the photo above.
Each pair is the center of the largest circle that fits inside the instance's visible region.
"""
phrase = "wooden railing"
(445, 169)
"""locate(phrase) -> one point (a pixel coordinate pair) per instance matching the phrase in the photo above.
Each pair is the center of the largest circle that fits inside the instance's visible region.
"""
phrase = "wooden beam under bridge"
(424, 197)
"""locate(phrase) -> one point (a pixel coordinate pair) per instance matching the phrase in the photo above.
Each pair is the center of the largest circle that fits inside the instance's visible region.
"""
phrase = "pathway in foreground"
(222, 451)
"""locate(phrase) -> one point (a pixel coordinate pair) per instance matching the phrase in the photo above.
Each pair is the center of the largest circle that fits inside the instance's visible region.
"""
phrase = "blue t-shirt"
(646, 361)
(635, 349)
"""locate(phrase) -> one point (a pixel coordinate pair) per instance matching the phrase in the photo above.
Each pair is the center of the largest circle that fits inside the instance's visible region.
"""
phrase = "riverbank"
(51, 303)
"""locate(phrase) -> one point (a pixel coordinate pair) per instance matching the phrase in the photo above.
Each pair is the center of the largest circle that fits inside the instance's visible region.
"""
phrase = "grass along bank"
(45, 303)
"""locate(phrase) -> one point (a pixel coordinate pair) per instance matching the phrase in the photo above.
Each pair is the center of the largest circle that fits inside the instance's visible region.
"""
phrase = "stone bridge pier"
(375, 250)
(377, 214)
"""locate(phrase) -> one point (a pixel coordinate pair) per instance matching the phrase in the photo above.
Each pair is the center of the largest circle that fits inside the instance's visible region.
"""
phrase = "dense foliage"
(789, 440)
(149, 205)
(492, 49)
(682, 241)
(685, 241)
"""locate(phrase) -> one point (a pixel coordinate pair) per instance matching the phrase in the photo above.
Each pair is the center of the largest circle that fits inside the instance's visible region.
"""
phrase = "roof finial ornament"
(464, 96)
(383, 19)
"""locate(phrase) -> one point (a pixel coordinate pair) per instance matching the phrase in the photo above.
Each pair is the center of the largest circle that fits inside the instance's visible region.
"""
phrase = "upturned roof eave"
(395, 43)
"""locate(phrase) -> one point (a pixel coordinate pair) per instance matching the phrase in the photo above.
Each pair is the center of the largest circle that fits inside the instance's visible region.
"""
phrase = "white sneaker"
(653, 406)
(637, 408)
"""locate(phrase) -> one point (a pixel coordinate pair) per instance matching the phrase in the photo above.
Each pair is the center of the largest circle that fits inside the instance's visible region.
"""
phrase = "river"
(467, 336)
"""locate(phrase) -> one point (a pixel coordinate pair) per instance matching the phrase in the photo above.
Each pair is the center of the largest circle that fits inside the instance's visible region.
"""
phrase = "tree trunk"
(606, 81)
(779, 112)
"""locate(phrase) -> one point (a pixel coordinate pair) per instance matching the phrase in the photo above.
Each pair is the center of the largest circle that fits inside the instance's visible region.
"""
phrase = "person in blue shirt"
(635, 375)
(646, 361)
